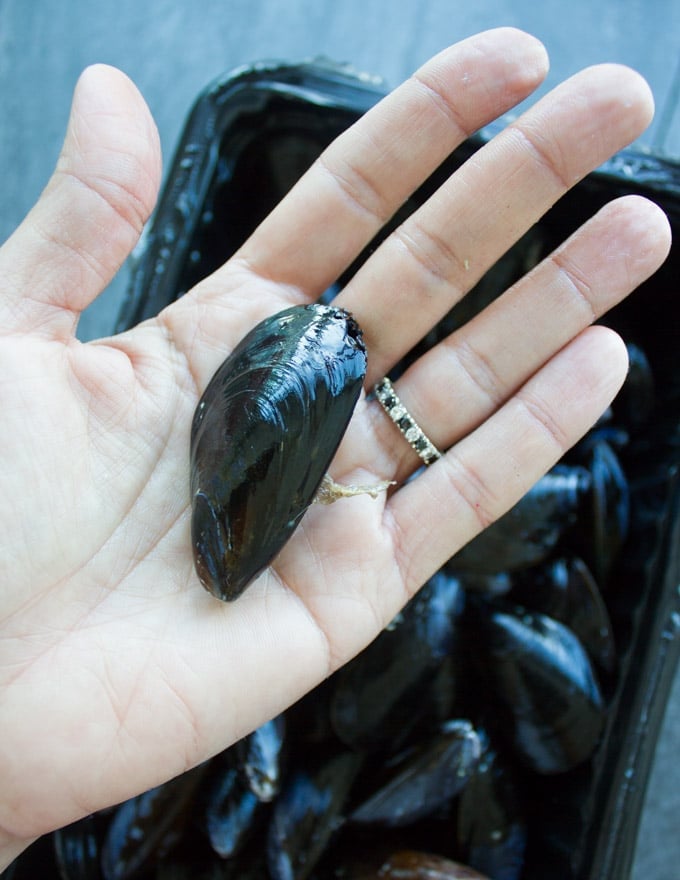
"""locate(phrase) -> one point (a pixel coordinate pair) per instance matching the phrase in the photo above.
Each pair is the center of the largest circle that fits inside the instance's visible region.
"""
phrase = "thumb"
(91, 213)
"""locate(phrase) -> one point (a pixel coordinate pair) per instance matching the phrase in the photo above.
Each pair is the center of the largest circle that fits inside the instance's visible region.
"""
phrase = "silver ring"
(402, 418)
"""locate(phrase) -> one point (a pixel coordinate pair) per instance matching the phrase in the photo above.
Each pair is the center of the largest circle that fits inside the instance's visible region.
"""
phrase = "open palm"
(117, 670)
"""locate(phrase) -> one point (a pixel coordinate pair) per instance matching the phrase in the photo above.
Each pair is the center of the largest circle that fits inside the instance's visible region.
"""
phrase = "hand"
(117, 670)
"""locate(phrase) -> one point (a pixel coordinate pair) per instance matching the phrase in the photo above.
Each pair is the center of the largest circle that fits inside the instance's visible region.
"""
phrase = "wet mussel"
(262, 438)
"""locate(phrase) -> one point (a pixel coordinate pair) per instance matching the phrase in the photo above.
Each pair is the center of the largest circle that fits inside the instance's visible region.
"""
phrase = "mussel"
(565, 590)
(77, 850)
(145, 827)
(424, 778)
(491, 826)
(231, 812)
(386, 690)
(307, 813)
(542, 680)
(259, 759)
(263, 436)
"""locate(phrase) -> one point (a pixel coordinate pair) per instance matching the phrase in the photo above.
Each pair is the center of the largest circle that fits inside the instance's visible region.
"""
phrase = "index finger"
(367, 173)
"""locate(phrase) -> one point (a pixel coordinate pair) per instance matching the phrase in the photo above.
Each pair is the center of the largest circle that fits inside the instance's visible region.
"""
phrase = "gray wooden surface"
(173, 49)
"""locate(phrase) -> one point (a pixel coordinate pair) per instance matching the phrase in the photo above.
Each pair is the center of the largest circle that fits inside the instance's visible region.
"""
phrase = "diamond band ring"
(402, 418)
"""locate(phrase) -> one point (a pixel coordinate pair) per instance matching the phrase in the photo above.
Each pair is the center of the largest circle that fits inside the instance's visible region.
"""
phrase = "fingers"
(460, 382)
(440, 252)
(481, 477)
(370, 170)
(91, 213)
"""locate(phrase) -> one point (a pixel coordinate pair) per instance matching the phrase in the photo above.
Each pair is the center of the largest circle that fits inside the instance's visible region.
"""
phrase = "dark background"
(172, 50)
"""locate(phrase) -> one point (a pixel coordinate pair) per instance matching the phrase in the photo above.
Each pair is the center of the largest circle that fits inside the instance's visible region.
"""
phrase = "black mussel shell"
(307, 813)
(565, 590)
(491, 827)
(384, 691)
(540, 674)
(77, 850)
(263, 436)
(635, 401)
(143, 827)
(259, 759)
(430, 774)
(231, 812)
(610, 509)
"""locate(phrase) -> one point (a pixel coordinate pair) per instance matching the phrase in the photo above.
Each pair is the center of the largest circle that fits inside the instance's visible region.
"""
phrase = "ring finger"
(488, 471)
(459, 383)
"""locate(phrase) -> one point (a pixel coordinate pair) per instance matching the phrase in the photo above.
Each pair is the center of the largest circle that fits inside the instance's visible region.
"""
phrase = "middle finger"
(445, 247)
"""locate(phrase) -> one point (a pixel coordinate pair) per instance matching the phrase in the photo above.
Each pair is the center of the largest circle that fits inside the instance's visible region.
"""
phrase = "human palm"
(117, 671)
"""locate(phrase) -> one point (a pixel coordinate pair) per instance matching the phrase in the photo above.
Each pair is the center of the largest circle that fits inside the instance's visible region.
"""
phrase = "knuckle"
(579, 286)
(432, 253)
(545, 155)
(356, 187)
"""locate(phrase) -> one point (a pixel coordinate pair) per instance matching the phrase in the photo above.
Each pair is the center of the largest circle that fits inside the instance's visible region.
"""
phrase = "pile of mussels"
(455, 745)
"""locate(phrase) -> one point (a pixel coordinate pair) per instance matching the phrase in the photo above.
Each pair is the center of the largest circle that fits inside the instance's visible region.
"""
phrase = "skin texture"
(117, 670)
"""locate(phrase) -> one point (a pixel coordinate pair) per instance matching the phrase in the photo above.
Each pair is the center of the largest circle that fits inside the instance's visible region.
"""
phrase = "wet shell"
(389, 688)
(539, 672)
(307, 813)
(259, 758)
(491, 828)
(147, 825)
(77, 850)
(231, 813)
(430, 774)
(263, 436)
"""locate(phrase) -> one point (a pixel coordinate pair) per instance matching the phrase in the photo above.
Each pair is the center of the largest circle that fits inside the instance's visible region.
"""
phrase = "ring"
(402, 418)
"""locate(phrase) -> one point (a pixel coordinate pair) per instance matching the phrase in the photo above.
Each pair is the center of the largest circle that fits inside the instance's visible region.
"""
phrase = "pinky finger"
(485, 474)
